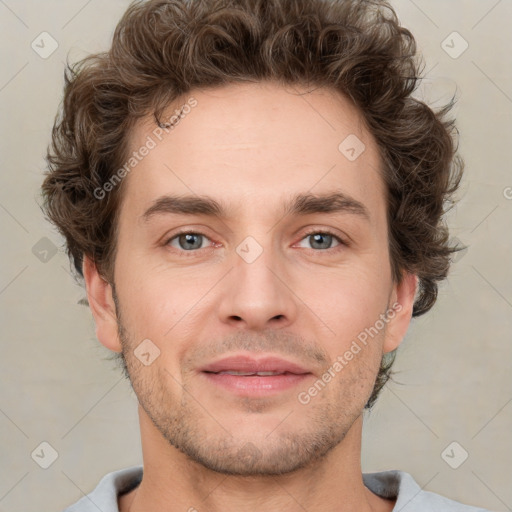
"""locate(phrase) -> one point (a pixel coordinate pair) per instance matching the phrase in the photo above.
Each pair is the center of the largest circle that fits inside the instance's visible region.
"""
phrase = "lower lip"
(254, 385)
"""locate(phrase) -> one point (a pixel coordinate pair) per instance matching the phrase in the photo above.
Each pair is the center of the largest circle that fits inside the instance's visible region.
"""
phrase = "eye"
(322, 240)
(187, 241)
(191, 241)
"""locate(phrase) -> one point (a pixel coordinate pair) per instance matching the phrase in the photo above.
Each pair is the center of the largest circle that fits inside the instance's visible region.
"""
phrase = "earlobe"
(101, 302)
(400, 312)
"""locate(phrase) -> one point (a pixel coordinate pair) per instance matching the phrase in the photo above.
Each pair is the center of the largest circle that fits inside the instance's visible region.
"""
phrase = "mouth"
(248, 376)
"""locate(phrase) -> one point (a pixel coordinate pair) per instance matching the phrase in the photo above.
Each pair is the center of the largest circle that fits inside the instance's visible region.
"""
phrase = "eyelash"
(192, 253)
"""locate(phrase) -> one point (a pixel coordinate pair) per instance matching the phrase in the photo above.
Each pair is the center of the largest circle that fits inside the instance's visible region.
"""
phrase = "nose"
(256, 294)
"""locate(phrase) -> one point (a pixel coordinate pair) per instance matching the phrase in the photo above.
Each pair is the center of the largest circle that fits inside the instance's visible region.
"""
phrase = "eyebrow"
(300, 204)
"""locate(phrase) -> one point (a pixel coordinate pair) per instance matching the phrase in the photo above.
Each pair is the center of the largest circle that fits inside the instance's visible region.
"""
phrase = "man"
(255, 203)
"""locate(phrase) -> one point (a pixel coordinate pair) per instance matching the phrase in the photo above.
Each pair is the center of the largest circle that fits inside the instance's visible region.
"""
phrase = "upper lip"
(244, 363)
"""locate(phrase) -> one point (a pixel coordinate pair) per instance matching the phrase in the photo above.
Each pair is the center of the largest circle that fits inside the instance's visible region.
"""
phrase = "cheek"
(347, 302)
(146, 310)
(165, 307)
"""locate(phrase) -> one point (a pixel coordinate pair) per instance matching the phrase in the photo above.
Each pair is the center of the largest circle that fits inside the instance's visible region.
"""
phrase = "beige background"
(455, 364)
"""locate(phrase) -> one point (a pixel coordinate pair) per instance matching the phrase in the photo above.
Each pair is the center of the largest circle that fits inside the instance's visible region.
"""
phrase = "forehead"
(258, 140)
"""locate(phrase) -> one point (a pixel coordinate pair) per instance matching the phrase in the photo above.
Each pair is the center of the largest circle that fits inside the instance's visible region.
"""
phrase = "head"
(283, 137)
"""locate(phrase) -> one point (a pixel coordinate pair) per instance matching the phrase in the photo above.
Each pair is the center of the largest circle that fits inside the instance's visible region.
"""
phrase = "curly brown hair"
(162, 49)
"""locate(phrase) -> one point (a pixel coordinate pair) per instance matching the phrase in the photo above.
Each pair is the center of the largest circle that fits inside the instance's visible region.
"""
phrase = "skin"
(251, 147)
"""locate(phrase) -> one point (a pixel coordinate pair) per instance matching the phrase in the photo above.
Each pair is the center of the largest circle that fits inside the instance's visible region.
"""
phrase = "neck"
(333, 483)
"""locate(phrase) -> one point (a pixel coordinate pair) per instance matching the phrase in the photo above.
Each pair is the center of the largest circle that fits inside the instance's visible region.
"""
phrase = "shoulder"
(409, 495)
(104, 496)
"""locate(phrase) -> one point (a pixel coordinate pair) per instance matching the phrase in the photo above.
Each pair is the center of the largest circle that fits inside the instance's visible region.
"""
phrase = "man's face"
(256, 289)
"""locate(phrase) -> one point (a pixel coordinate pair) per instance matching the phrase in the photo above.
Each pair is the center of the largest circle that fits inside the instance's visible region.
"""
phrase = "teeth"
(232, 372)
(246, 374)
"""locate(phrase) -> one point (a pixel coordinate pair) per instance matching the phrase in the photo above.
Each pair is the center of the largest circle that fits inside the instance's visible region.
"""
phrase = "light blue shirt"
(394, 484)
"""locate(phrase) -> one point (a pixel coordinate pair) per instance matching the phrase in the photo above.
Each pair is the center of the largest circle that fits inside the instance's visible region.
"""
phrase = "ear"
(101, 302)
(400, 311)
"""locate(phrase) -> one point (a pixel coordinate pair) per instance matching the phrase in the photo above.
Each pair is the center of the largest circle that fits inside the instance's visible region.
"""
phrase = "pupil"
(189, 240)
(318, 238)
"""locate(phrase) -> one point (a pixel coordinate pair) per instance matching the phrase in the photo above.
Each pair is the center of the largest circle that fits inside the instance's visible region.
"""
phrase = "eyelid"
(343, 240)
(186, 231)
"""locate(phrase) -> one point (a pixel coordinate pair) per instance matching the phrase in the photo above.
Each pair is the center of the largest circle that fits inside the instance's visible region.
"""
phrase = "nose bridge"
(256, 294)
